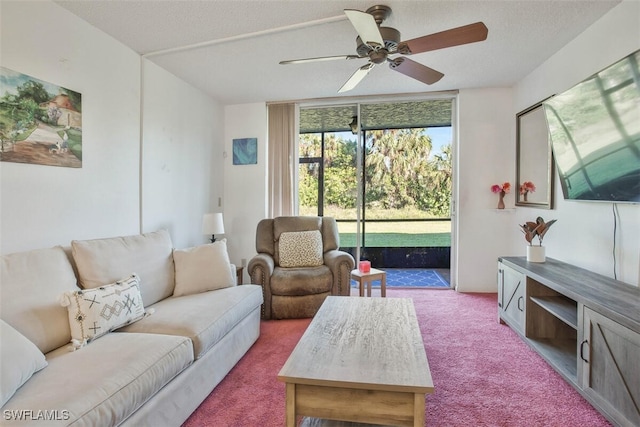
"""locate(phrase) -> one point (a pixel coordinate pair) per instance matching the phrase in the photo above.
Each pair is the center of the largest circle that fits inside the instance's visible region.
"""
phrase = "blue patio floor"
(412, 278)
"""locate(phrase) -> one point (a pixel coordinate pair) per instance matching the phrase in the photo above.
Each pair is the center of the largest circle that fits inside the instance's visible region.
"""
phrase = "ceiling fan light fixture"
(390, 36)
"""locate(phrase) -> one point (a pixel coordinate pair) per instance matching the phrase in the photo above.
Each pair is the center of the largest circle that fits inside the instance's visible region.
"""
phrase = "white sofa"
(154, 371)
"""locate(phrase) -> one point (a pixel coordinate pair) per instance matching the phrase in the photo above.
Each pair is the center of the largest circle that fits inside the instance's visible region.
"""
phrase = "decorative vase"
(501, 200)
(526, 193)
(535, 253)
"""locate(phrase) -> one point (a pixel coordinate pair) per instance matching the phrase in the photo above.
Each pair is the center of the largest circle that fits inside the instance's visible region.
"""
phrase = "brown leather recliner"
(296, 292)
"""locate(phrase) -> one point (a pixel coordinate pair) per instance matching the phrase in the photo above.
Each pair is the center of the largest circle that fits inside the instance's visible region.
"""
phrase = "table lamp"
(212, 223)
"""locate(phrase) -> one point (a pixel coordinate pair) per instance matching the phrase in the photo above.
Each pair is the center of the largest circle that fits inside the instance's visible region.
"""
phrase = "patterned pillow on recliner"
(301, 249)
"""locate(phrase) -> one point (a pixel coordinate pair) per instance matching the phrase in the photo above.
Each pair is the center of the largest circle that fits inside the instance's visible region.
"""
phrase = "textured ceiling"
(247, 38)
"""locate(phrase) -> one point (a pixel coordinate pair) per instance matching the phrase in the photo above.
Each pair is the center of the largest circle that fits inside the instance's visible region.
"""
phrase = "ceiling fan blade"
(454, 37)
(417, 71)
(366, 27)
(357, 77)
(321, 58)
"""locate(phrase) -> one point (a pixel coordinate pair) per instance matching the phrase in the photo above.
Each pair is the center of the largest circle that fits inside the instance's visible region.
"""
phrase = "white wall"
(44, 205)
(181, 157)
(485, 156)
(245, 188)
(181, 166)
(583, 235)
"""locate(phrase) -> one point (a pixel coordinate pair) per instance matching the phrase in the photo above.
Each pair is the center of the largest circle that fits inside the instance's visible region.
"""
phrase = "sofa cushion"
(149, 255)
(202, 268)
(98, 311)
(301, 281)
(301, 249)
(19, 360)
(205, 318)
(31, 284)
(105, 382)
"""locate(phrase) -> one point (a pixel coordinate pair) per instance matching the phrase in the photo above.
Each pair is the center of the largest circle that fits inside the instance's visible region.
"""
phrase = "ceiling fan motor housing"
(390, 36)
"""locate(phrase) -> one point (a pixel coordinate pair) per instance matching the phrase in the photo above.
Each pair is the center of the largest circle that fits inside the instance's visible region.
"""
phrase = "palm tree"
(397, 162)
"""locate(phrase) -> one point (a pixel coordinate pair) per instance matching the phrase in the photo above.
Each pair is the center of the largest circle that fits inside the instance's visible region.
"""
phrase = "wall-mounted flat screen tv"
(594, 129)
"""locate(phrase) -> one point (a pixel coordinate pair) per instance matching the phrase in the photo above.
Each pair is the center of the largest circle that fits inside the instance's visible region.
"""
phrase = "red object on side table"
(364, 266)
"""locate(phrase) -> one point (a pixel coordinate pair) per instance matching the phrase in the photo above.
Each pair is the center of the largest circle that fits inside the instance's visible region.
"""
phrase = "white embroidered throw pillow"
(301, 249)
(98, 311)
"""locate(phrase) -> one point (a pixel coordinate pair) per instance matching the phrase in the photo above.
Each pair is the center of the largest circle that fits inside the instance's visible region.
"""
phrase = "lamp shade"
(212, 223)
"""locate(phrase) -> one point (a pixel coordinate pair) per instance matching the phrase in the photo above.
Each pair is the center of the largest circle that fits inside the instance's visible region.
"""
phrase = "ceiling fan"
(377, 44)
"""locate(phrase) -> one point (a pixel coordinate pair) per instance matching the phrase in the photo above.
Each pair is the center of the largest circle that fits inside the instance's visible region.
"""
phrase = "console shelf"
(562, 308)
(561, 353)
(583, 324)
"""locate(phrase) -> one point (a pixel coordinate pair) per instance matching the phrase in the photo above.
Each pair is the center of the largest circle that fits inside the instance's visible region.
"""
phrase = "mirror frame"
(524, 135)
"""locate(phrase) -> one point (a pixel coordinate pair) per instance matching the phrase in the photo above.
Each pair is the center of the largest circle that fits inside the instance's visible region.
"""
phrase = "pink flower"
(506, 187)
(527, 187)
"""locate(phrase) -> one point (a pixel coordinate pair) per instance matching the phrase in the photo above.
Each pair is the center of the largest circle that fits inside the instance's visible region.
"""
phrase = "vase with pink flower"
(501, 190)
(526, 188)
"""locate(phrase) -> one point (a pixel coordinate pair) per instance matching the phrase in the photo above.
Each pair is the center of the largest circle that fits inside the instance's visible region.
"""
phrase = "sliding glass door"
(384, 171)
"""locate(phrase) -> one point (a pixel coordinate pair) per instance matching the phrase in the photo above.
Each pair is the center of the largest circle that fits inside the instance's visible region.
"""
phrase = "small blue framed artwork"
(245, 151)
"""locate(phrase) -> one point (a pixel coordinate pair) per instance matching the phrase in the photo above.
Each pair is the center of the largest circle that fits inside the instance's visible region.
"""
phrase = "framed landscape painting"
(245, 151)
(40, 122)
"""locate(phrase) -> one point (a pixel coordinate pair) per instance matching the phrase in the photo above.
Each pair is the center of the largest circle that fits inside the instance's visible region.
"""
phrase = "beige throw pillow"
(102, 261)
(19, 360)
(301, 249)
(30, 284)
(98, 311)
(203, 268)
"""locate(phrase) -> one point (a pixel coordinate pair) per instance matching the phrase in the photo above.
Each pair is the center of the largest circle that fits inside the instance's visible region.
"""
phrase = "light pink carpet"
(484, 374)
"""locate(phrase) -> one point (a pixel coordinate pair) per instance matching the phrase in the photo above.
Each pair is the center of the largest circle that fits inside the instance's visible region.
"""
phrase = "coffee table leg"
(418, 410)
(291, 405)
(369, 287)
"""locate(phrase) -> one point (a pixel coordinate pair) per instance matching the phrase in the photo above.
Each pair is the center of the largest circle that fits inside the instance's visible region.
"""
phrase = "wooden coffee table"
(360, 360)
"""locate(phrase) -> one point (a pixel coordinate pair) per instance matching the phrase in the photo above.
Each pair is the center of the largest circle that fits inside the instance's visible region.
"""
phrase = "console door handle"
(582, 350)
(521, 300)
(501, 285)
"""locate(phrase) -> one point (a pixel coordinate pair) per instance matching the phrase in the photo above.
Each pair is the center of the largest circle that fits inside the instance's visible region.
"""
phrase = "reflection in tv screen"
(594, 129)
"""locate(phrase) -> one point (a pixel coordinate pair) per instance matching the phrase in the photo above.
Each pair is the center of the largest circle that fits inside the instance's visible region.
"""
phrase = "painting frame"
(40, 122)
(245, 151)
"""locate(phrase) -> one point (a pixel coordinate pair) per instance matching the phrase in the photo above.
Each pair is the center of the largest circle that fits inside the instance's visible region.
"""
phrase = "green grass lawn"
(433, 233)
(399, 234)
(398, 240)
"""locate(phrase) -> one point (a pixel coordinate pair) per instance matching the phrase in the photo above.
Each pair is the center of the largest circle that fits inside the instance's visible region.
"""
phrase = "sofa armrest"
(260, 269)
(340, 263)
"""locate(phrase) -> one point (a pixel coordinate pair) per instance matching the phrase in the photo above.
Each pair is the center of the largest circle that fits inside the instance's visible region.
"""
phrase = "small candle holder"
(364, 266)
